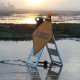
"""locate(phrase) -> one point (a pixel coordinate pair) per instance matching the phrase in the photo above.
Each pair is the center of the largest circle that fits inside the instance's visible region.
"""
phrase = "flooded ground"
(13, 55)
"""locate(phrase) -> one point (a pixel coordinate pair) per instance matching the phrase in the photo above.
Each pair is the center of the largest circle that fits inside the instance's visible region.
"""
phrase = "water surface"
(29, 18)
(13, 52)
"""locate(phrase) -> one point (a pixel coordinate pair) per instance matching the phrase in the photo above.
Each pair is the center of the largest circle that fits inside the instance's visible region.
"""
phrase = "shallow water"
(29, 18)
(13, 53)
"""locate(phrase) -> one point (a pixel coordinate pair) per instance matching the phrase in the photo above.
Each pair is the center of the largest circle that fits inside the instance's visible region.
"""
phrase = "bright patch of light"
(29, 21)
(34, 1)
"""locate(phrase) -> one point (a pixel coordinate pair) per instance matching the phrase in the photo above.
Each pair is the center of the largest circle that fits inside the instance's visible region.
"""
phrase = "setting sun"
(34, 1)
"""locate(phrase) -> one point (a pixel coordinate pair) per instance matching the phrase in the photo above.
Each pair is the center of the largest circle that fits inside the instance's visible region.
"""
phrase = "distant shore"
(66, 30)
(24, 31)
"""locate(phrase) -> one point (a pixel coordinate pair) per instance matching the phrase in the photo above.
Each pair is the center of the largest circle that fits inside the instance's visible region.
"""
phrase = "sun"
(34, 1)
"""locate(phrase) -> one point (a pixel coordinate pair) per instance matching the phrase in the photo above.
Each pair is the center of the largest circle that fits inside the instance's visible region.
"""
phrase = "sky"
(64, 5)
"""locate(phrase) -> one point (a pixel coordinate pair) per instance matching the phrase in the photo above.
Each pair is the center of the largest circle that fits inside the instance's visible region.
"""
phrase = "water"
(19, 18)
(58, 17)
(14, 52)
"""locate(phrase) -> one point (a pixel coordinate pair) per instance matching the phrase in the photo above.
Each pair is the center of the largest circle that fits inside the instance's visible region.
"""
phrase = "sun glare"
(29, 21)
(34, 1)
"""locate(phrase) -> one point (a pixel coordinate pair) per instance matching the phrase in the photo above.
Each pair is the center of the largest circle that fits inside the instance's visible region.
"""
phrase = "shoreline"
(24, 31)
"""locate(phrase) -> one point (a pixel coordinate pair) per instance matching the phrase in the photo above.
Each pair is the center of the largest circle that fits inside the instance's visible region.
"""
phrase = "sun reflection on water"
(29, 21)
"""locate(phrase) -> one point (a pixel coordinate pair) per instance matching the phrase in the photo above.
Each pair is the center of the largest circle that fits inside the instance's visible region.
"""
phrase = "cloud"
(6, 7)
(47, 4)
(69, 5)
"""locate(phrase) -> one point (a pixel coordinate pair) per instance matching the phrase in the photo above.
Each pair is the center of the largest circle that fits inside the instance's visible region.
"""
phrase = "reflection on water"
(29, 18)
(19, 18)
(11, 50)
(17, 53)
(52, 74)
(29, 21)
